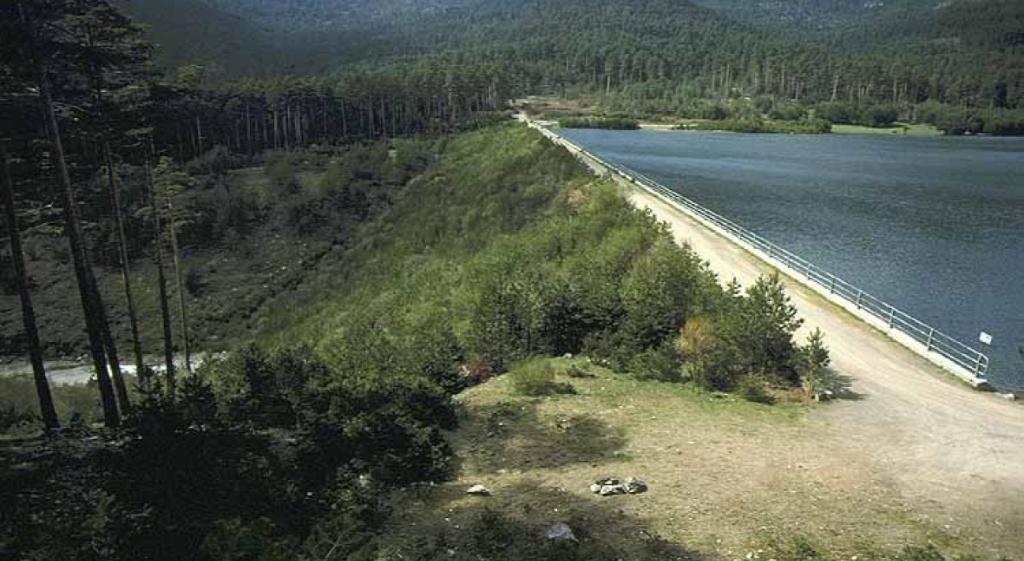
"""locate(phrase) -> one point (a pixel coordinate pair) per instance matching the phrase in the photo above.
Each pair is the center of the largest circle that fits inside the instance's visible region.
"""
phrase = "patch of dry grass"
(727, 477)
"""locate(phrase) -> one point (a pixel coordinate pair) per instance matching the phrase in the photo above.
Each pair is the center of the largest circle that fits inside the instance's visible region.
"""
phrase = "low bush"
(806, 126)
(475, 372)
(611, 123)
(660, 364)
(536, 377)
(755, 389)
(819, 381)
(12, 418)
(879, 116)
(575, 371)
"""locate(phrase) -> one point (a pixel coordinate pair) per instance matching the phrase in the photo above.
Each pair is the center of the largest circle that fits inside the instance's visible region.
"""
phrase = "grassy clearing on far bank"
(899, 129)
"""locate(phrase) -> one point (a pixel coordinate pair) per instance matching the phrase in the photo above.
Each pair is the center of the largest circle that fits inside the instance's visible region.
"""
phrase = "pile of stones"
(608, 486)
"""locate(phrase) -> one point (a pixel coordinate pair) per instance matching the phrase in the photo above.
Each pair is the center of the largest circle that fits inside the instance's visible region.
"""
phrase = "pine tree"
(46, 408)
(43, 48)
(168, 184)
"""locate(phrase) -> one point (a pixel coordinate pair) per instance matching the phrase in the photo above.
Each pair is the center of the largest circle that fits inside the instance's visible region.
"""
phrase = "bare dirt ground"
(955, 455)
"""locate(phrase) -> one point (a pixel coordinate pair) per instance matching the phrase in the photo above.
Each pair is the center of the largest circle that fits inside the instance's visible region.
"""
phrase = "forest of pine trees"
(81, 98)
(909, 53)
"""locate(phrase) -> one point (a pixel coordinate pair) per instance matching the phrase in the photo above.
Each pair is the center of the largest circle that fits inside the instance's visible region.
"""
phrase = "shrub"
(575, 371)
(259, 540)
(755, 389)
(500, 324)
(799, 548)
(658, 294)
(476, 372)
(261, 388)
(758, 125)
(818, 380)
(656, 364)
(281, 169)
(837, 112)
(713, 111)
(697, 343)
(599, 123)
(11, 418)
(879, 116)
(788, 112)
(914, 553)
(536, 378)
(760, 331)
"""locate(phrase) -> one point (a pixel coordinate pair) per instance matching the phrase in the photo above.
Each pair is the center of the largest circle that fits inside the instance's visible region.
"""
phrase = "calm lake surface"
(932, 225)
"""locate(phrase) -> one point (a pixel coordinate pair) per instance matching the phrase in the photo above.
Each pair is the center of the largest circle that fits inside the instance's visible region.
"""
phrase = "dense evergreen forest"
(913, 50)
(962, 60)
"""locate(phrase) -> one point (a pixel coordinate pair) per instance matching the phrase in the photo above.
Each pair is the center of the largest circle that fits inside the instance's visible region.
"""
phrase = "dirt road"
(955, 452)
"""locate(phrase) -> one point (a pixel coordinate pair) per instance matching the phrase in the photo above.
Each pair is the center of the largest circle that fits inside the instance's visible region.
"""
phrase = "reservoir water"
(932, 225)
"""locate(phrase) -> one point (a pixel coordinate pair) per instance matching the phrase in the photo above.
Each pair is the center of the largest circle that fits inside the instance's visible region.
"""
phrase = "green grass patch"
(74, 403)
(899, 129)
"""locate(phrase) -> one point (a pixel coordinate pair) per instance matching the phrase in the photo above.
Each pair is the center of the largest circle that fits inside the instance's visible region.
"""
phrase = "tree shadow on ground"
(512, 525)
(844, 389)
(513, 436)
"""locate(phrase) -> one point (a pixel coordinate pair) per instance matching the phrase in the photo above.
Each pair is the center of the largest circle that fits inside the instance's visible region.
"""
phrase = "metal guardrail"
(934, 340)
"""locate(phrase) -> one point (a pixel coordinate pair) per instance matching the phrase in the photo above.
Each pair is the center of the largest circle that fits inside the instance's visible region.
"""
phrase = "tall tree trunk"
(28, 313)
(133, 318)
(344, 121)
(287, 123)
(199, 136)
(165, 309)
(79, 258)
(248, 129)
(277, 142)
(181, 285)
(109, 345)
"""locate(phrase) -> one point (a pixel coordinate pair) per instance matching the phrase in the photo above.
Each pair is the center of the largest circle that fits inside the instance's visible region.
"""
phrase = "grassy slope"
(274, 285)
(238, 278)
(279, 288)
(411, 262)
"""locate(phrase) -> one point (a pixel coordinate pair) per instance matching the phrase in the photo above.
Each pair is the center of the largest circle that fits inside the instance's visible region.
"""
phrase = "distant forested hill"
(193, 31)
(875, 51)
(304, 14)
